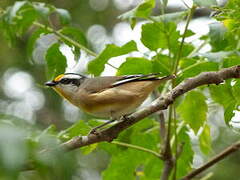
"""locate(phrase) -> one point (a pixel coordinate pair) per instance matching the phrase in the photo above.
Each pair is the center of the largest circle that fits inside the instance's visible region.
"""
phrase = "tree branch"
(229, 150)
(159, 104)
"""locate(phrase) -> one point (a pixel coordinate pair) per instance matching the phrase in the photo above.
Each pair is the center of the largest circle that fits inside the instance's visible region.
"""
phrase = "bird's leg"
(94, 130)
(124, 117)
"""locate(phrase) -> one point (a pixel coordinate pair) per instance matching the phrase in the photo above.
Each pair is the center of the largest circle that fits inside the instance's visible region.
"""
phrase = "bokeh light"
(26, 97)
(98, 5)
(97, 35)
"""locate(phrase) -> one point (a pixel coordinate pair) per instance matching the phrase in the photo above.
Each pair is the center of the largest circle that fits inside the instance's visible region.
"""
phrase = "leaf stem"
(172, 110)
(198, 48)
(176, 142)
(138, 148)
(66, 38)
(183, 39)
(225, 153)
(190, 67)
(167, 152)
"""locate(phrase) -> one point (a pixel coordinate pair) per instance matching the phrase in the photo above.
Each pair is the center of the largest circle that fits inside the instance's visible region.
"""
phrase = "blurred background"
(22, 91)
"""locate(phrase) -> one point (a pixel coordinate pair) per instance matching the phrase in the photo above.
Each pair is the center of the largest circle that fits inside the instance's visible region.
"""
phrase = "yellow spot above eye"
(58, 77)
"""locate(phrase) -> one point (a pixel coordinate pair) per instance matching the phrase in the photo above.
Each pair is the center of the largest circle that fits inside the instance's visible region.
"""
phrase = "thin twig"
(66, 38)
(74, 43)
(167, 152)
(190, 67)
(162, 125)
(138, 148)
(168, 156)
(176, 142)
(225, 153)
(185, 4)
(192, 10)
(160, 118)
(197, 49)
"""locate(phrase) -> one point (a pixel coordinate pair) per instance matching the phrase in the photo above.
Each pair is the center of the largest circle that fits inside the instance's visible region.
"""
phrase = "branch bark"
(159, 104)
(229, 150)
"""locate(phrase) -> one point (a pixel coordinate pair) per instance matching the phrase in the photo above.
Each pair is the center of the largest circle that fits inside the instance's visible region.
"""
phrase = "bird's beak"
(51, 83)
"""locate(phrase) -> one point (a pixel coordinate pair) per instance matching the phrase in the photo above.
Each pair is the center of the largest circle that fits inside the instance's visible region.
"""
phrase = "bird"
(107, 96)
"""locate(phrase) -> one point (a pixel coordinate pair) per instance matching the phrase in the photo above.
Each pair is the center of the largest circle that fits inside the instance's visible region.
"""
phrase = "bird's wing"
(99, 84)
(141, 77)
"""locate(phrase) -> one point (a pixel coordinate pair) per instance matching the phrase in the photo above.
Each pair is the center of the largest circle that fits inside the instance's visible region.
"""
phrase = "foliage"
(27, 145)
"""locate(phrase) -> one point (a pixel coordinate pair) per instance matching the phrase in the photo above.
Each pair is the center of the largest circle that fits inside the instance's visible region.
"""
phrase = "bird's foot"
(124, 118)
(95, 129)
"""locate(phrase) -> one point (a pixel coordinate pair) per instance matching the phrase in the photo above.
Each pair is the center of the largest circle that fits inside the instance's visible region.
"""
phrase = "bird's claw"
(94, 132)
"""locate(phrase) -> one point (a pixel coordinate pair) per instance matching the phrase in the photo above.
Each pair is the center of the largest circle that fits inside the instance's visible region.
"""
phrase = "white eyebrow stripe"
(72, 76)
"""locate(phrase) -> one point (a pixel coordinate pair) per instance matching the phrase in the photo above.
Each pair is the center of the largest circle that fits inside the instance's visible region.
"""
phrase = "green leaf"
(222, 94)
(218, 39)
(77, 129)
(118, 165)
(193, 68)
(193, 110)
(52, 163)
(10, 119)
(199, 67)
(132, 161)
(162, 64)
(13, 10)
(152, 169)
(13, 149)
(135, 65)
(230, 61)
(96, 66)
(160, 35)
(44, 10)
(76, 35)
(143, 10)
(184, 163)
(205, 3)
(187, 49)
(175, 17)
(228, 111)
(50, 130)
(56, 61)
(32, 40)
(64, 15)
(205, 140)
(88, 149)
(20, 17)
(236, 90)
(189, 33)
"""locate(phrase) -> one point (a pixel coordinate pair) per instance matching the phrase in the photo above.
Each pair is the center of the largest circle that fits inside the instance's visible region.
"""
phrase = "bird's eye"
(75, 82)
(65, 81)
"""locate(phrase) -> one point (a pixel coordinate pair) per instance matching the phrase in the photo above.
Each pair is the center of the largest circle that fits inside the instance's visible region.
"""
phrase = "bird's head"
(66, 84)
